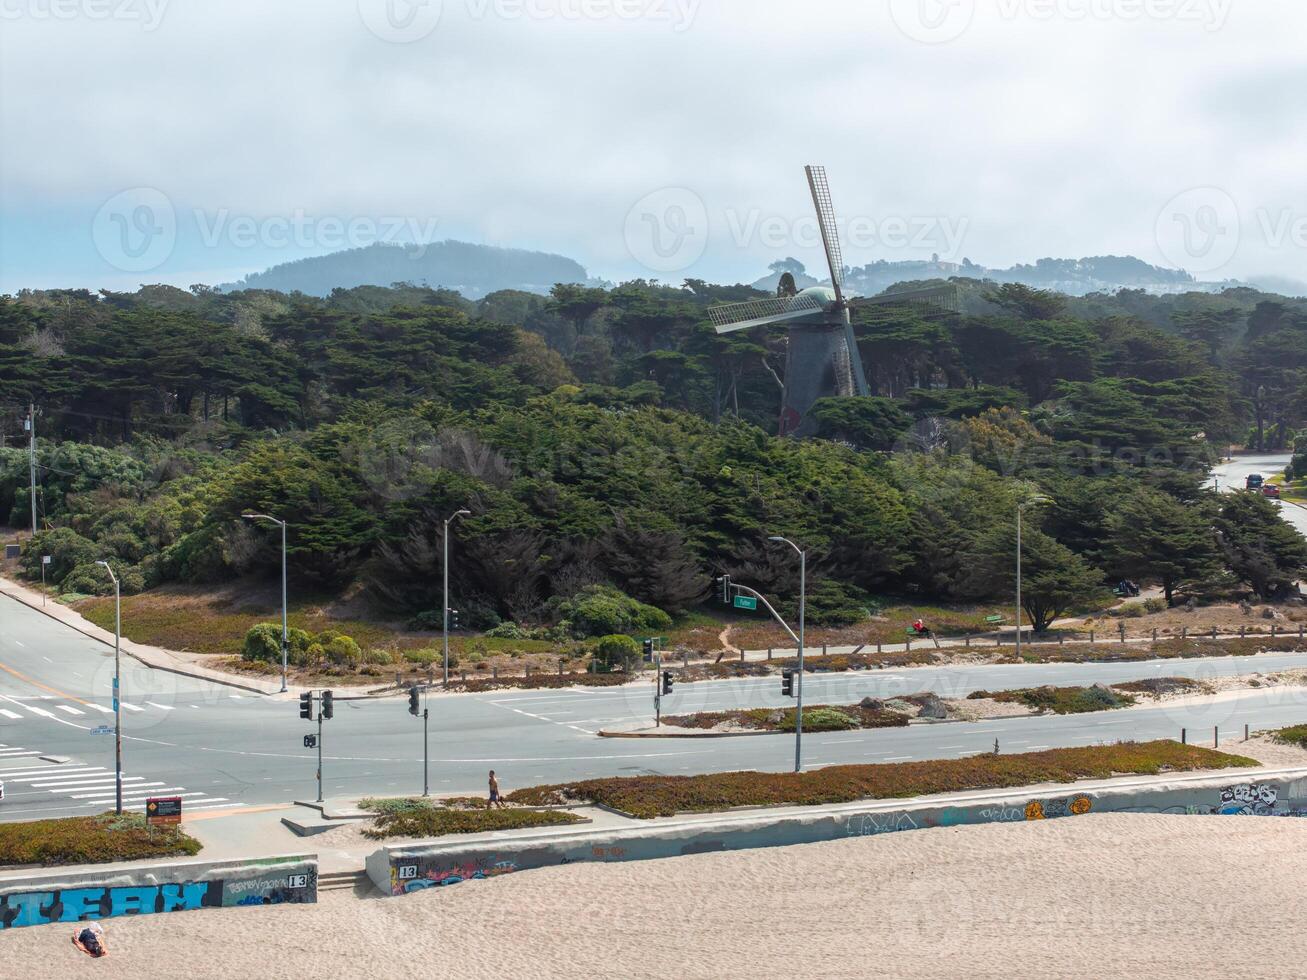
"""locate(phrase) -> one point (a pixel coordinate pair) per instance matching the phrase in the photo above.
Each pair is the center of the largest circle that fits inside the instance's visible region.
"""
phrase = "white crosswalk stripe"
(162, 707)
(70, 709)
(10, 714)
(93, 787)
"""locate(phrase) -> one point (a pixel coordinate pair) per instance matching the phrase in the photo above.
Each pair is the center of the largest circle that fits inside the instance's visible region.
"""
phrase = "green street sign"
(745, 602)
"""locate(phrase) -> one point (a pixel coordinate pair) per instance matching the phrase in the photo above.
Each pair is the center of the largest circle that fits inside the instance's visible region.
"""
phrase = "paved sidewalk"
(186, 664)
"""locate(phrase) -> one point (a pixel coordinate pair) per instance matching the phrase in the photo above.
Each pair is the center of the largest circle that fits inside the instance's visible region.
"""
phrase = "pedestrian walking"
(495, 799)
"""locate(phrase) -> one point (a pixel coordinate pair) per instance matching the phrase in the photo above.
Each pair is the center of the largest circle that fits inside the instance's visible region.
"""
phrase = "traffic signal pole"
(426, 784)
(658, 690)
(319, 752)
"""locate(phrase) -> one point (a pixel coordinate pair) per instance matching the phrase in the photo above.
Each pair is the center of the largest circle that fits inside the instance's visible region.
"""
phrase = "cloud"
(1046, 127)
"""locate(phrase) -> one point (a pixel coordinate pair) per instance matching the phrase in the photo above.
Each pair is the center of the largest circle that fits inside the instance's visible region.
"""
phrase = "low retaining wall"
(401, 869)
(178, 887)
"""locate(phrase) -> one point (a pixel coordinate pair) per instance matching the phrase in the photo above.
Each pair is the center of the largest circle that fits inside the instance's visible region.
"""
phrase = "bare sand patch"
(1127, 895)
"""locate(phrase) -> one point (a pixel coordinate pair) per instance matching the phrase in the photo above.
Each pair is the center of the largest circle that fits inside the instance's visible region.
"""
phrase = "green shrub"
(67, 550)
(1060, 700)
(617, 652)
(1294, 735)
(423, 657)
(600, 610)
(665, 796)
(438, 821)
(824, 720)
(92, 579)
(1130, 610)
(377, 657)
(91, 840)
(342, 651)
(311, 656)
(1155, 605)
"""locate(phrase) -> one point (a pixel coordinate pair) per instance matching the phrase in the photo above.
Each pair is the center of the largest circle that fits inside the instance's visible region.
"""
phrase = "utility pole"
(444, 619)
(285, 629)
(31, 442)
(117, 692)
(798, 677)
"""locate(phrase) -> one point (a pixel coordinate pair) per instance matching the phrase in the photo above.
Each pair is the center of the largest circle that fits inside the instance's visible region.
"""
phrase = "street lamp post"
(444, 619)
(285, 629)
(117, 691)
(798, 686)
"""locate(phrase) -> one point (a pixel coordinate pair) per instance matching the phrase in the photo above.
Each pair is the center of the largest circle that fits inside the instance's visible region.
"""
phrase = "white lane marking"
(83, 783)
(45, 772)
(163, 707)
(100, 793)
(131, 707)
(897, 758)
(37, 711)
(22, 644)
(237, 697)
(70, 709)
(9, 714)
(99, 707)
(17, 755)
(137, 795)
(215, 803)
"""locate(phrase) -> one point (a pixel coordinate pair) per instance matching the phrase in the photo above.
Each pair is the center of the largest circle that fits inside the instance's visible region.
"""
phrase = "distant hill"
(473, 270)
(1075, 277)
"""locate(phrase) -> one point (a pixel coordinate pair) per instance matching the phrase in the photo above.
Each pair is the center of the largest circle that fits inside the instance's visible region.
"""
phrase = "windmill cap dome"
(824, 294)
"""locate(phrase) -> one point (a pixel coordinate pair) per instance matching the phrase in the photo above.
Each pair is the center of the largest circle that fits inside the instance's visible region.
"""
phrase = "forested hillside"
(611, 437)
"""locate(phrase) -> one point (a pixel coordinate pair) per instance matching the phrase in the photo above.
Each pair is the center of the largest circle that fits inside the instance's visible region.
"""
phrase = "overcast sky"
(189, 141)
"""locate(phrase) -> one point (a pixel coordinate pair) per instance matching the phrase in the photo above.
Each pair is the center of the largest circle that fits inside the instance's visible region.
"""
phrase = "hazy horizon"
(165, 141)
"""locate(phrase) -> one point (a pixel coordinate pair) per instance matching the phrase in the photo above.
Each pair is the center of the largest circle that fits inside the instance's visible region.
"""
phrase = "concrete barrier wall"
(176, 887)
(406, 868)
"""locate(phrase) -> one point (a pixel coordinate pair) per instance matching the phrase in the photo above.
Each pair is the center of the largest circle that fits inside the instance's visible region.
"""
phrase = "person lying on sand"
(89, 938)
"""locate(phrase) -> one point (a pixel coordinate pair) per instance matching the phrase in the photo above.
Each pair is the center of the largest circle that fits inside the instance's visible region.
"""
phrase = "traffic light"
(787, 683)
(413, 701)
(667, 682)
(453, 619)
(327, 708)
(648, 651)
(724, 583)
(306, 705)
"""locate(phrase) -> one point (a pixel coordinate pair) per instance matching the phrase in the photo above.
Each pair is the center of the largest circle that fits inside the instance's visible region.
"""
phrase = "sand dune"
(1094, 896)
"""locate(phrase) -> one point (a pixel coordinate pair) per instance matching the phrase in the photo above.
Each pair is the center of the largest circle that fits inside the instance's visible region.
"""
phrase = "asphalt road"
(220, 748)
(1232, 476)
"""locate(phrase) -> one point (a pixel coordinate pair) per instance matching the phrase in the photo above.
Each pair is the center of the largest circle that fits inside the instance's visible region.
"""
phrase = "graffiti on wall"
(1073, 806)
(1249, 799)
(410, 874)
(299, 884)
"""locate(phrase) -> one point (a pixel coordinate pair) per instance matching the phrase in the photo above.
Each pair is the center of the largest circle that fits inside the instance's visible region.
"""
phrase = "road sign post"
(163, 810)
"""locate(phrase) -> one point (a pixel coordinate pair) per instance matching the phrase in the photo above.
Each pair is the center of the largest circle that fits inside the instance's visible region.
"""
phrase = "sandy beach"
(1110, 895)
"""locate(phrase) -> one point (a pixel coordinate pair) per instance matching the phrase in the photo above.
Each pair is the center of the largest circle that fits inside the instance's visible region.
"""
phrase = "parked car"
(1271, 490)
(1254, 482)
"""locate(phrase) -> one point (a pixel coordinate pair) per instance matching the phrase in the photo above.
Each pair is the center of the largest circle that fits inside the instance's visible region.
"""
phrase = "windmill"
(822, 358)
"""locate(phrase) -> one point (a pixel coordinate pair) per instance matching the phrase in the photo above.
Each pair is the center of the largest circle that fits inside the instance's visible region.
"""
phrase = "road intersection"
(220, 747)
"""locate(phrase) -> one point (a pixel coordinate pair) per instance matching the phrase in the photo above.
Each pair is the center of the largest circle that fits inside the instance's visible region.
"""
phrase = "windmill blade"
(830, 236)
(944, 298)
(758, 312)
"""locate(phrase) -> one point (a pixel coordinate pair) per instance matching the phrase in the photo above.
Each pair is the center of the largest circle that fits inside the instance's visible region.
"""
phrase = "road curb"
(194, 675)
